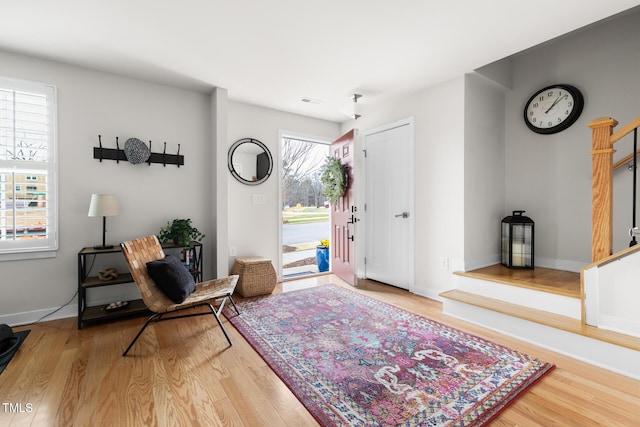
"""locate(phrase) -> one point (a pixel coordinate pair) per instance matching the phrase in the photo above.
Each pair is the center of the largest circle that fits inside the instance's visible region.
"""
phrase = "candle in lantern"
(517, 254)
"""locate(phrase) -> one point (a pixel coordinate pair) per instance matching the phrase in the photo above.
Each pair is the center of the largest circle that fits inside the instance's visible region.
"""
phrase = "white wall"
(612, 293)
(219, 174)
(92, 103)
(476, 161)
(439, 178)
(549, 176)
(254, 228)
(618, 295)
(459, 175)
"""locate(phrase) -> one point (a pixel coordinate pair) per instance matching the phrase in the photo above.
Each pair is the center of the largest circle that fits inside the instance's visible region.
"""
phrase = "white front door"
(389, 204)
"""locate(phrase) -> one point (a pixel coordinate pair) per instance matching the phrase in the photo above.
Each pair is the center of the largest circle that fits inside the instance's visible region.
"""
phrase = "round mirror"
(250, 161)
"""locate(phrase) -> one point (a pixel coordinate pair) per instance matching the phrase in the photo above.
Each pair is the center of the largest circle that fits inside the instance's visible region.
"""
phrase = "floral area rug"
(355, 361)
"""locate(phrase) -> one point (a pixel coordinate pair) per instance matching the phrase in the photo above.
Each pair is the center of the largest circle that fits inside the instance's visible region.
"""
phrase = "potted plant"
(180, 232)
(322, 255)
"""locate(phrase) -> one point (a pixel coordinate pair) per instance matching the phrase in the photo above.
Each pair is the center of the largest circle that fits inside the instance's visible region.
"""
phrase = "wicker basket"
(257, 276)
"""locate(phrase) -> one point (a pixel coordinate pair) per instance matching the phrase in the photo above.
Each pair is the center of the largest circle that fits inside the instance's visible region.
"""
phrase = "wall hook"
(100, 142)
(118, 154)
(164, 155)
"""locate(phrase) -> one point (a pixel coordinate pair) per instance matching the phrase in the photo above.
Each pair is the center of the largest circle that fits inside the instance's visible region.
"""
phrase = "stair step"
(536, 296)
(556, 321)
(559, 282)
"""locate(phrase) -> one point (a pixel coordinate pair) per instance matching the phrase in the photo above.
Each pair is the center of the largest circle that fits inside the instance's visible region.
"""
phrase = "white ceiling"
(275, 52)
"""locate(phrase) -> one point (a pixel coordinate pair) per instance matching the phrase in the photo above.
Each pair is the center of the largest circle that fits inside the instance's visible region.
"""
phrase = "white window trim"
(36, 250)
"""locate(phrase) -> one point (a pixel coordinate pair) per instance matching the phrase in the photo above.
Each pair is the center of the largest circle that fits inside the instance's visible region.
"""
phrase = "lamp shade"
(104, 205)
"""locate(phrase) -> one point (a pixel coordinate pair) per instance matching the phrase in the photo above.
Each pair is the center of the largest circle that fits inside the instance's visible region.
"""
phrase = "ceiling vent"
(311, 101)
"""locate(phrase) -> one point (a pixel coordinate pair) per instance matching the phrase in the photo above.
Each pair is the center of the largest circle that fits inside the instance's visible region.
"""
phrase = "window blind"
(28, 196)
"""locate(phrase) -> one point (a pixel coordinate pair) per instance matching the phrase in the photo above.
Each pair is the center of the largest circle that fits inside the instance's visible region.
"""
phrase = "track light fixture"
(355, 112)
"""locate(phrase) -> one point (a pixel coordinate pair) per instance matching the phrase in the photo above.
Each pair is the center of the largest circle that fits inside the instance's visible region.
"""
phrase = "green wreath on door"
(334, 178)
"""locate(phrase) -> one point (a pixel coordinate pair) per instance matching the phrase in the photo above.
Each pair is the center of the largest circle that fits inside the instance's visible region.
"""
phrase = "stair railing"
(634, 167)
(602, 166)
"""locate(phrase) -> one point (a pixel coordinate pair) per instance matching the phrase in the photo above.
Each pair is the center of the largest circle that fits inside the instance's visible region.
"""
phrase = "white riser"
(612, 357)
(558, 304)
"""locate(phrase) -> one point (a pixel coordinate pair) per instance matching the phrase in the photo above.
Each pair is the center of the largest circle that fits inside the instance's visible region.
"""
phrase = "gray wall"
(476, 161)
(484, 170)
(460, 160)
(254, 229)
(549, 176)
(92, 103)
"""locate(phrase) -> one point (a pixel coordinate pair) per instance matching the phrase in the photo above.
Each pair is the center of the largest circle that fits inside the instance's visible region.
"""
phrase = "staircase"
(554, 309)
(542, 306)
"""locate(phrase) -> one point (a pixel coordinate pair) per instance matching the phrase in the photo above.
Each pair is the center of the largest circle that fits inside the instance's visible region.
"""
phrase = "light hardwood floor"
(183, 373)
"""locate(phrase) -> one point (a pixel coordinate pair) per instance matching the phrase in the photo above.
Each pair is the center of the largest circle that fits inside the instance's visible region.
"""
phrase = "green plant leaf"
(334, 178)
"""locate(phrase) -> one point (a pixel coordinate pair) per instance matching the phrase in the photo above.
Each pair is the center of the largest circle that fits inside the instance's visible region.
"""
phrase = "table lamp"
(103, 205)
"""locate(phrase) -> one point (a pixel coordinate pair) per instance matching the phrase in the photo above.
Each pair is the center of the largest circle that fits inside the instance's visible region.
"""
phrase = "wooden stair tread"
(549, 280)
(544, 318)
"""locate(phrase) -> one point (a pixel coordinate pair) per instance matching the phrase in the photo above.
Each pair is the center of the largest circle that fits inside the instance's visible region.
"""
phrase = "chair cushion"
(172, 277)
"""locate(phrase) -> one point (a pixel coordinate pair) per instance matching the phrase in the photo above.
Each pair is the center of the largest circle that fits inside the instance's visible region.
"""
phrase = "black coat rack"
(118, 154)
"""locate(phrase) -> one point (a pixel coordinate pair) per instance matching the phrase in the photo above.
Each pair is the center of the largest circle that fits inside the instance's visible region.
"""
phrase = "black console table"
(135, 307)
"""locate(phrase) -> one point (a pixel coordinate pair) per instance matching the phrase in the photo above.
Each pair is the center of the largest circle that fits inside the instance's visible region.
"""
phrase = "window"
(28, 190)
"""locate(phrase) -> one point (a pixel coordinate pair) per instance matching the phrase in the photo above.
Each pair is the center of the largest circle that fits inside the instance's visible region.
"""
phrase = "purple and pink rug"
(353, 360)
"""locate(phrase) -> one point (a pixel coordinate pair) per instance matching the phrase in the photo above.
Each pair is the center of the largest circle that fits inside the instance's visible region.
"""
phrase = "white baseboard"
(556, 264)
(434, 295)
(619, 324)
(561, 264)
(475, 264)
(28, 317)
(118, 293)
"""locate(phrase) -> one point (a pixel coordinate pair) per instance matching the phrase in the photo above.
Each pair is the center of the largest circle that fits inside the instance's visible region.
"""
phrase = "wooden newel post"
(602, 188)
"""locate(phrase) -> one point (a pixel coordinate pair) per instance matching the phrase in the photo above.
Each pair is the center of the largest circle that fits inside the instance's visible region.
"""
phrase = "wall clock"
(553, 108)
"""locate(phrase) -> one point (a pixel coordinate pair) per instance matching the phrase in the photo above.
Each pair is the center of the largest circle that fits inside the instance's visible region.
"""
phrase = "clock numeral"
(569, 104)
(541, 98)
(550, 93)
(550, 124)
(534, 106)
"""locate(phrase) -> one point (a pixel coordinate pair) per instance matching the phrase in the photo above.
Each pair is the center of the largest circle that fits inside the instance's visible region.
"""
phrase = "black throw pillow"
(172, 277)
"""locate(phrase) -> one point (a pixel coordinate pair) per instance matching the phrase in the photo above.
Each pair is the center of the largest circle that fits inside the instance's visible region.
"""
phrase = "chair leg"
(215, 314)
(156, 317)
(234, 304)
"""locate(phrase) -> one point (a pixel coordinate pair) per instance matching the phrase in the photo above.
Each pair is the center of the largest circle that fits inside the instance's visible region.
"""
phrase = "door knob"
(403, 215)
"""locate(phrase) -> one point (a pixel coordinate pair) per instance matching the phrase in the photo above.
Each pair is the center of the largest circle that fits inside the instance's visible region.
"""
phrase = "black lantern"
(517, 241)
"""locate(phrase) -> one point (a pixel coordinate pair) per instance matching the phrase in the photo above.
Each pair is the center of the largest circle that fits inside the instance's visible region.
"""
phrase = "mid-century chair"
(138, 253)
